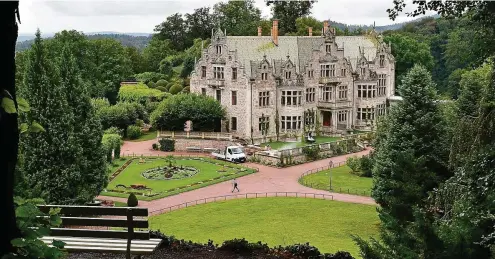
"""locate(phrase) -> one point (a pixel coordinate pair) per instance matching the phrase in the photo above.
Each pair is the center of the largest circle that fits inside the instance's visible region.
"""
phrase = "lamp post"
(330, 164)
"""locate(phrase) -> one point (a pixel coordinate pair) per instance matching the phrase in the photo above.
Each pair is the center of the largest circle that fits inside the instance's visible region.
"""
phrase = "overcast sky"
(134, 16)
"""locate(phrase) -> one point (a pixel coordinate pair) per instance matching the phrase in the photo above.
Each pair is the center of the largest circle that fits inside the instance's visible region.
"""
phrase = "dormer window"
(363, 71)
(287, 74)
(264, 76)
(219, 49)
(382, 60)
(329, 48)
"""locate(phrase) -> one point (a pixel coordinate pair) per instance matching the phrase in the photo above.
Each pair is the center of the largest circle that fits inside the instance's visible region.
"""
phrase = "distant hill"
(383, 28)
(138, 40)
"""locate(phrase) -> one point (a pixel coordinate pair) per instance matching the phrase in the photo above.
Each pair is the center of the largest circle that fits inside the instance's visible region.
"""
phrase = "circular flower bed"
(170, 173)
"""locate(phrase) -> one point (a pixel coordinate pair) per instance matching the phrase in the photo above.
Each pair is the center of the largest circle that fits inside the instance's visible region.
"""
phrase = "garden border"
(239, 196)
(320, 169)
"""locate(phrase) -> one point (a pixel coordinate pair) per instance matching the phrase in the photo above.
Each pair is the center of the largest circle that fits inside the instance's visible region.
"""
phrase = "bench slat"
(103, 222)
(94, 210)
(143, 235)
(107, 250)
(101, 244)
(153, 241)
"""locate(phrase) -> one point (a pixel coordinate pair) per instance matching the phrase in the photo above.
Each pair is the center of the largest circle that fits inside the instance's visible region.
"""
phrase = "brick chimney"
(260, 31)
(325, 26)
(310, 29)
(275, 32)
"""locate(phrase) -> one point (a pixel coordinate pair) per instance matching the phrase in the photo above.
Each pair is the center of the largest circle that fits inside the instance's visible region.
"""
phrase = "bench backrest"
(92, 216)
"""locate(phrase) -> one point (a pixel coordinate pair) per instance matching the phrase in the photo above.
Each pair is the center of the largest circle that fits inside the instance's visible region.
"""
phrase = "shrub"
(175, 89)
(161, 82)
(354, 164)
(132, 201)
(151, 84)
(242, 246)
(303, 250)
(134, 132)
(139, 123)
(186, 82)
(161, 88)
(186, 89)
(366, 165)
(311, 152)
(113, 130)
(155, 146)
(167, 145)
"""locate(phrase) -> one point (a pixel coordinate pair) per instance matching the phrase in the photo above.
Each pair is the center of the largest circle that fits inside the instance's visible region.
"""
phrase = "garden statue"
(310, 138)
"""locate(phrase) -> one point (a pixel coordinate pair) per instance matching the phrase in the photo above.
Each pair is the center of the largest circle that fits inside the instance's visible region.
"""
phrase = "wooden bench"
(99, 238)
(195, 149)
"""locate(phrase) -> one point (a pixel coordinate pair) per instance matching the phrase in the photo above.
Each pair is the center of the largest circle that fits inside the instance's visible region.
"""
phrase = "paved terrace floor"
(268, 179)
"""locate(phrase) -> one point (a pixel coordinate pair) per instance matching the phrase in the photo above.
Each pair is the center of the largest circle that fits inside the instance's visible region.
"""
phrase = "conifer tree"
(410, 161)
(87, 130)
(48, 157)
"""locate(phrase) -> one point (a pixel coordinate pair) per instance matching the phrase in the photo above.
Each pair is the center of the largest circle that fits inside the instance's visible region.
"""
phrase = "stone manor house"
(347, 80)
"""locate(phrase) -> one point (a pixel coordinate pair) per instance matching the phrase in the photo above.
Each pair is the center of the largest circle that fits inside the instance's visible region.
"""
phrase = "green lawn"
(146, 136)
(119, 204)
(342, 181)
(207, 171)
(116, 164)
(279, 145)
(276, 221)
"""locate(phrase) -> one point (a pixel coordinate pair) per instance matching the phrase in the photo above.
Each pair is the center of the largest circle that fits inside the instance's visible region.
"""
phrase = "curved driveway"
(268, 179)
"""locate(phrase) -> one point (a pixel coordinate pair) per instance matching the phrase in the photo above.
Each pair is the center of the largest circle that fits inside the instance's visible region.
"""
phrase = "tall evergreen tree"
(87, 131)
(411, 160)
(49, 157)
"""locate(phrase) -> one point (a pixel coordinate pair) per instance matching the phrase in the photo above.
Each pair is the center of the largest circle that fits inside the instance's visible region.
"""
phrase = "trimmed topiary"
(175, 89)
(132, 201)
(161, 82)
(161, 88)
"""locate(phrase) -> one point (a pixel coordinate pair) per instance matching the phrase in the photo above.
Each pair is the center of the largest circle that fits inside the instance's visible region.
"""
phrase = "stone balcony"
(334, 104)
(216, 83)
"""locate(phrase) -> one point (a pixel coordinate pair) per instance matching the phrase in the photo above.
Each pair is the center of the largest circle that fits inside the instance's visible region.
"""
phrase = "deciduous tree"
(288, 12)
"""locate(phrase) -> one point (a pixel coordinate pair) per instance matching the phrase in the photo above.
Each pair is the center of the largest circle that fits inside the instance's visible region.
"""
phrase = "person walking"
(234, 182)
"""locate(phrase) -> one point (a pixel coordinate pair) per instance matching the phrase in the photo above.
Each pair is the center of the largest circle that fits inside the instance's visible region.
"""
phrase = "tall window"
(325, 71)
(382, 60)
(366, 91)
(365, 113)
(219, 95)
(203, 91)
(291, 98)
(219, 49)
(264, 99)
(234, 73)
(381, 109)
(234, 97)
(233, 123)
(363, 71)
(382, 82)
(328, 48)
(203, 71)
(332, 70)
(343, 72)
(264, 76)
(342, 116)
(291, 122)
(218, 73)
(264, 122)
(342, 92)
(287, 74)
(311, 74)
(326, 93)
(310, 95)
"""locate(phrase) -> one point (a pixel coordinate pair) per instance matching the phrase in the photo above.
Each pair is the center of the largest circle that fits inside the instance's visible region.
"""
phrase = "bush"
(155, 146)
(134, 132)
(161, 82)
(175, 89)
(311, 152)
(139, 123)
(113, 130)
(132, 201)
(366, 165)
(186, 89)
(354, 164)
(186, 82)
(161, 88)
(303, 250)
(242, 246)
(167, 145)
(151, 84)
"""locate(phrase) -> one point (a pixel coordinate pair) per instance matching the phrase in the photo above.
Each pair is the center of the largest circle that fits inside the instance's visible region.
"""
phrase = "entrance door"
(327, 119)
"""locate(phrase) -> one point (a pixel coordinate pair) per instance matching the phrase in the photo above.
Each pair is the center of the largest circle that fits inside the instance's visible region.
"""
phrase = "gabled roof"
(251, 49)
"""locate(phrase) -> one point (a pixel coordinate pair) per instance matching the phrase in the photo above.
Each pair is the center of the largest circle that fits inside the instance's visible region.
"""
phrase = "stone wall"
(182, 144)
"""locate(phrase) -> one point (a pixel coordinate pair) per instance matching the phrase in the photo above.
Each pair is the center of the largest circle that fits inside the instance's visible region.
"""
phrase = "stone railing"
(194, 135)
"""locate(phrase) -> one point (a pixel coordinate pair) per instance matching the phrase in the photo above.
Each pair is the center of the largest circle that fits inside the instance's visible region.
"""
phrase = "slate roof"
(251, 49)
